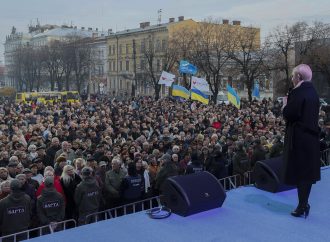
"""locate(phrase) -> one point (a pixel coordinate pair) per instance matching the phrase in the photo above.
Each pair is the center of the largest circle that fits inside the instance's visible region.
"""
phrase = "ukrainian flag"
(179, 91)
(199, 96)
(233, 97)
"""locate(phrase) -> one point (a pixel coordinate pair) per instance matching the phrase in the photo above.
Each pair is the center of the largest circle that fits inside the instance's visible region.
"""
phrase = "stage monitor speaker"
(267, 175)
(189, 194)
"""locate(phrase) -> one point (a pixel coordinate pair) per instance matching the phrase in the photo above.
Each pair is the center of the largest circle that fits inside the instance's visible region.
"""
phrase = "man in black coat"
(15, 211)
(50, 204)
(301, 144)
(87, 196)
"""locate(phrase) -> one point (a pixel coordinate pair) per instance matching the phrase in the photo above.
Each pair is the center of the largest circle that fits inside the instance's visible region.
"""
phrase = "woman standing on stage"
(301, 144)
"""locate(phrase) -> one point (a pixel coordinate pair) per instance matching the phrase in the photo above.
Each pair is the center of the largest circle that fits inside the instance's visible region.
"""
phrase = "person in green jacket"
(50, 205)
(87, 196)
(15, 211)
(113, 179)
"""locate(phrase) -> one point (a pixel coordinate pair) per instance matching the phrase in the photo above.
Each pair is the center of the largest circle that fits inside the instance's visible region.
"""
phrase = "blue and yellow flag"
(233, 97)
(179, 91)
(199, 96)
(256, 92)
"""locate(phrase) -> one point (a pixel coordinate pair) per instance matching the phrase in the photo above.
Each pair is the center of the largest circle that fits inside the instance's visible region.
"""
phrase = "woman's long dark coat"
(301, 144)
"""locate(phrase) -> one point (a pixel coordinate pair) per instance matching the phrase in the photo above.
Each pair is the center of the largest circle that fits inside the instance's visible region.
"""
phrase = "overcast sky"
(126, 14)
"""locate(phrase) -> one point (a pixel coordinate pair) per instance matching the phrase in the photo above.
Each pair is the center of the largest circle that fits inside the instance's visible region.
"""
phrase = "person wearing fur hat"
(15, 210)
(87, 196)
(59, 164)
(50, 204)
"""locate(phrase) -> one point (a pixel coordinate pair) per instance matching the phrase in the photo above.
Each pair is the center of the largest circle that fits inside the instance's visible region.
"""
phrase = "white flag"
(200, 84)
(166, 78)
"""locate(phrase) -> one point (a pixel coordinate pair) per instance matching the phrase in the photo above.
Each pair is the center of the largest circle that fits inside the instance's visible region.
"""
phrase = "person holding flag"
(233, 97)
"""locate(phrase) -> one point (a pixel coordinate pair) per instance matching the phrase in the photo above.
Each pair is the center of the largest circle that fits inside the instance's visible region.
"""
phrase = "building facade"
(38, 37)
(128, 70)
(98, 80)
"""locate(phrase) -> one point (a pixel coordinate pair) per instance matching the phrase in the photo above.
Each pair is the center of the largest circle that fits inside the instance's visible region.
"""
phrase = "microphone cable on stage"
(159, 212)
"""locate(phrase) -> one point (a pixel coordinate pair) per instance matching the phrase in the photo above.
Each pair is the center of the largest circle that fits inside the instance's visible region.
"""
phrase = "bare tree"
(53, 64)
(68, 61)
(248, 55)
(150, 55)
(181, 42)
(16, 70)
(292, 45)
(210, 52)
(82, 61)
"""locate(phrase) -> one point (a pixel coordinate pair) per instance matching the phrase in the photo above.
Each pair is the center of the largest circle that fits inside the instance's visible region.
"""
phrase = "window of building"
(143, 65)
(127, 65)
(158, 65)
(120, 65)
(127, 48)
(110, 48)
(158, 45)
(113, 66)
(113, 49)
(121, 84)
(164, 45)
(143, 46)
(120, 49)
(150, 45)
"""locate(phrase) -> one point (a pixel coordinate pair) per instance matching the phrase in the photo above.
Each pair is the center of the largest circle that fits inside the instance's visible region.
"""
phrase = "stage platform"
(248, 214)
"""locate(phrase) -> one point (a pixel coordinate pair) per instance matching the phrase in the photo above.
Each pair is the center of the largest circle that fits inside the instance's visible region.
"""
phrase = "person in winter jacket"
(15, 210)
(87, 196)
(50, 204)
(69, 182)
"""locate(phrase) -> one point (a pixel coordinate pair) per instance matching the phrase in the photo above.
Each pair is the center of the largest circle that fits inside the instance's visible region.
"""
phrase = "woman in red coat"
(57, 183)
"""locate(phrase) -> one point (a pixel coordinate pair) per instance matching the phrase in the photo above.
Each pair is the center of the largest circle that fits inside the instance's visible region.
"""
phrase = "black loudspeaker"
(193, 193)
(267, 175)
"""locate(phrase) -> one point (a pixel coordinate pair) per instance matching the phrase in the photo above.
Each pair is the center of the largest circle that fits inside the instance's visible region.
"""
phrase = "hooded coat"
(15, 213)
(87, 196)
(50, 206)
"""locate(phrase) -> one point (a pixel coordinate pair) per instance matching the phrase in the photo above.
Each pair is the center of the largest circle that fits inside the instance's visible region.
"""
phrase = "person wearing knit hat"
(49, 182)
(165, 158)
(50, 204)
(15, 185)
(86, 172)
(87, 196)
(15, 210)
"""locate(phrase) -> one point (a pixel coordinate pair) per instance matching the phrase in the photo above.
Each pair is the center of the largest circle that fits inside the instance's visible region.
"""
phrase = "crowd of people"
(65, 161)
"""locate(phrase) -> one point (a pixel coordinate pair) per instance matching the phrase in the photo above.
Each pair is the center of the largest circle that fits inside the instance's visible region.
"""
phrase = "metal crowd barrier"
(138, 206)
(39, 231)
(325, 157)
(228, 183)
(232, 182)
